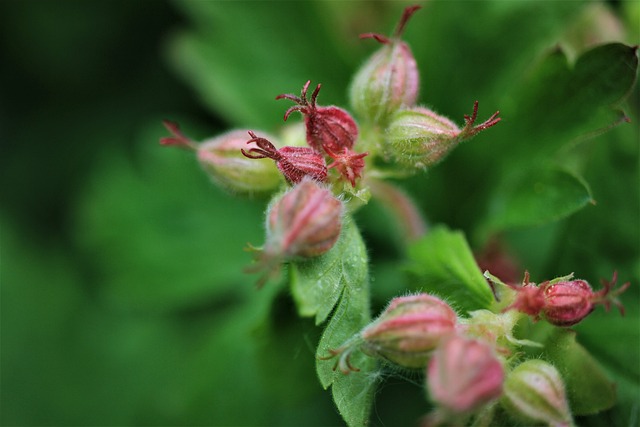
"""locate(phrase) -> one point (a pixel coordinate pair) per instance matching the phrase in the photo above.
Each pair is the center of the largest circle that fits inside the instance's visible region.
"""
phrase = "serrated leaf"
(317, 284)
(589, 390)
(538, 197)
(353, 392)
(443, 263)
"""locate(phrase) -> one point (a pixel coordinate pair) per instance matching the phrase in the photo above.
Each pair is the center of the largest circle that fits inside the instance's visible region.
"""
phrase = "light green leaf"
(317, 284)
(442, 263)
(538, 197)
(342, 274)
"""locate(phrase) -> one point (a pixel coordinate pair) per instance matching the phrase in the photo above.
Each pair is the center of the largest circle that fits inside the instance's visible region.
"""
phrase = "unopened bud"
(568, 302)
(329, 128)
(409, 329)
(303, 223)
(464, 375)
(389, 80)
(222, 160)
(563, 301)
(419, 138)
(534, 392)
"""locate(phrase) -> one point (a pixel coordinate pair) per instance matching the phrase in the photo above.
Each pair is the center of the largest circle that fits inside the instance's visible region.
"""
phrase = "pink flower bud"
(295, 163)
(420, 138)
(409, 329)
(534, 392)
(329, 128)
(222, 160)
(305, 222)
(464, 375)
(389, 80)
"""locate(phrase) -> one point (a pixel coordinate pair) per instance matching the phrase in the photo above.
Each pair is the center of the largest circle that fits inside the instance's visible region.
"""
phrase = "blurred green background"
(123, 299)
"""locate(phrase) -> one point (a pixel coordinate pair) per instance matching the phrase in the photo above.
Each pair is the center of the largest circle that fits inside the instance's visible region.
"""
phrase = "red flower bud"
(294, 162)
(464, 375)
(329, 128)
(562, 301)
(568, 302)
(409, 329)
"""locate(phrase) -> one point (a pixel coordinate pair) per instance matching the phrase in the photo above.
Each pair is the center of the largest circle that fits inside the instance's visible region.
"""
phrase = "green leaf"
(353, 392)
(442, 263)
(317, 284)
(342, 274)
(589, 390)
(559, 102)
(241, 54)
(538, 197)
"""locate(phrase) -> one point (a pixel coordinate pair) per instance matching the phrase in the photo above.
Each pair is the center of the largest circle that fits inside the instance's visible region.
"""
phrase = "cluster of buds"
(464, 373)
(563, 301)
(330, 131)
(384, 93)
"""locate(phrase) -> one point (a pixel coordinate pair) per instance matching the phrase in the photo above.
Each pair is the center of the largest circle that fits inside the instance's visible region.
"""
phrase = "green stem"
(400, 205)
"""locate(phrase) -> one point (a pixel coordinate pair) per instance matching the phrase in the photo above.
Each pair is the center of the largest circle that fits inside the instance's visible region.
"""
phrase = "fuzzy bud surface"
(221, 158)
(389, 79)
(534, 392)
(463, 375)
(409, 329)
(419, 138)
(329, 128)
(305, 222)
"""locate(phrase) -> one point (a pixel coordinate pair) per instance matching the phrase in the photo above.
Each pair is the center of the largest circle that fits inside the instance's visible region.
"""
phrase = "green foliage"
(442, 263)
(123, 296)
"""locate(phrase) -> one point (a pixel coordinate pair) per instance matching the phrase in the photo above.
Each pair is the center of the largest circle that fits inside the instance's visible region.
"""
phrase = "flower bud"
(419, 138)
(295, 163)
(464, 375)
(568, 302)
(409, 329)
(534, 392)
(329, 128)
(563, 301)
(389, 80)
(305, 222)
(222, 160)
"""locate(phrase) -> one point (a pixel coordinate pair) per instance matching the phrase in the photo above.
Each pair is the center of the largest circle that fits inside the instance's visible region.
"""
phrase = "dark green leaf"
(538, 197)
(443, 264)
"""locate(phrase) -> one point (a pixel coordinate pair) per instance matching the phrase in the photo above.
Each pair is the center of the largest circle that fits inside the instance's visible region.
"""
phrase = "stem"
(400, 205)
